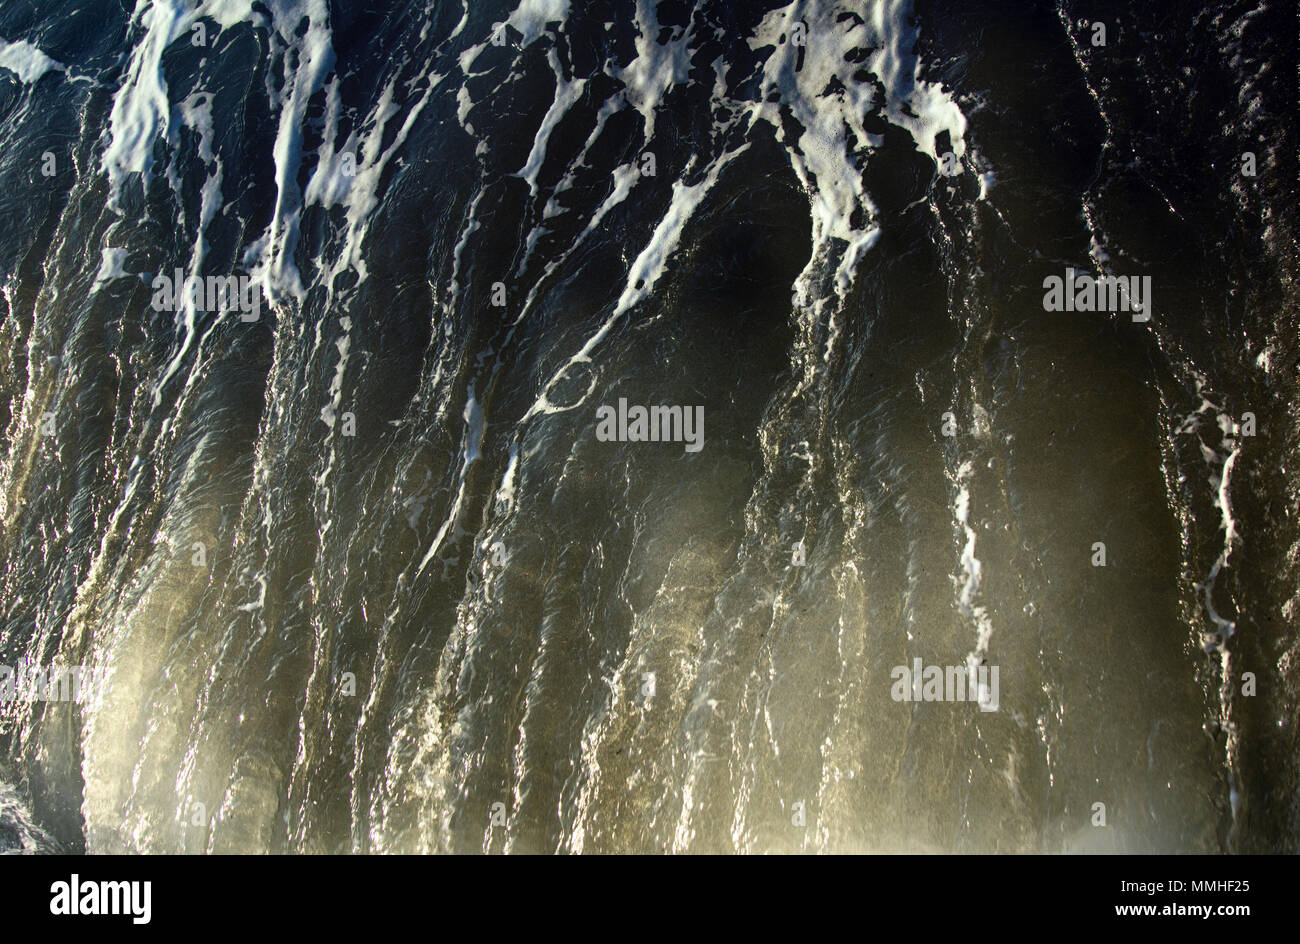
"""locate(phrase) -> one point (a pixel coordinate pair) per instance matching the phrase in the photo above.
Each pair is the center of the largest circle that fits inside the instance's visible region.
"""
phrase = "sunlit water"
(363, 576)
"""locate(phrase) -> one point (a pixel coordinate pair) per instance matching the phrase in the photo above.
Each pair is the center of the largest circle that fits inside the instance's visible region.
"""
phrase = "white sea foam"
(830, 104)
(27, 61)
(142, 113)
(532, 16)
(645, 272)
(656, 68)
(471, 444)
(112, 262)
(567, 93)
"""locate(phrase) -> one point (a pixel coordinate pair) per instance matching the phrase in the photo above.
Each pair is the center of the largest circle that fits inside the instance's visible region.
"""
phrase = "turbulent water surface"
(361, 569)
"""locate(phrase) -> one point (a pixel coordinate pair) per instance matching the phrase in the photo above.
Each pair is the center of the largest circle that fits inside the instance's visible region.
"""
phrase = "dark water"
(362, 576)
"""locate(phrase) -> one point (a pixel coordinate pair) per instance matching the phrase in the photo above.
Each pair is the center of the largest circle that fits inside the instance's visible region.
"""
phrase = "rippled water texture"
(363, 572)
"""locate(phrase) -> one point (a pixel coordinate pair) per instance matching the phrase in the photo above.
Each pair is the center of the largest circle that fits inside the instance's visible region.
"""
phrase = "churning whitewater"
(633, 426)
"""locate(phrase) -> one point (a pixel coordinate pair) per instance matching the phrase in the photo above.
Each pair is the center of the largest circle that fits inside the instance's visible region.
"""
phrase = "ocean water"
(368, 549)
